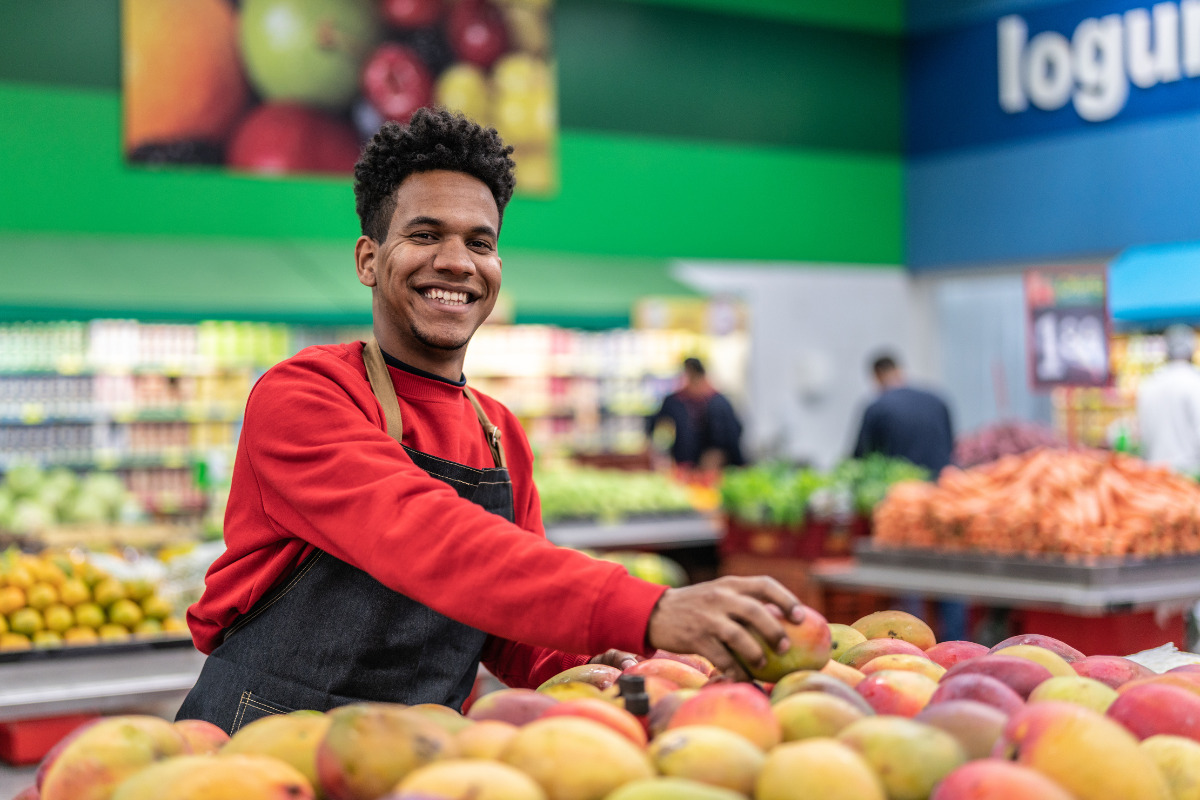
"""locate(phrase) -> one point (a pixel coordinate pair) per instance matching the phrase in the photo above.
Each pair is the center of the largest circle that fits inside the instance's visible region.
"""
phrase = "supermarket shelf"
(1145, 592)
(109, 679)
(663, 533)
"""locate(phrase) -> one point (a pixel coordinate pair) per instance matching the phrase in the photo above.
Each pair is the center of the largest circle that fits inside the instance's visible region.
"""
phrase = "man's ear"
(366, 251)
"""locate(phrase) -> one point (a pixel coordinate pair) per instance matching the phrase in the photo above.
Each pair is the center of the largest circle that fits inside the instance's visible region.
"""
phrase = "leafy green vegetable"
(606, 495)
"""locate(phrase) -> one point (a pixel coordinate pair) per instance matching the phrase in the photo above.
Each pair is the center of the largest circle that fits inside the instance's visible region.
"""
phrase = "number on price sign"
(1068, 326)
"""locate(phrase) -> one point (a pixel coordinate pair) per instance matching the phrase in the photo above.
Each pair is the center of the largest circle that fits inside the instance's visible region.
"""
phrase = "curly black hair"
(432, 139)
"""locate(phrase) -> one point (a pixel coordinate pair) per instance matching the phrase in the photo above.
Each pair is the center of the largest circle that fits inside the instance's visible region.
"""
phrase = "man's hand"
(711, 619)
(616, 658)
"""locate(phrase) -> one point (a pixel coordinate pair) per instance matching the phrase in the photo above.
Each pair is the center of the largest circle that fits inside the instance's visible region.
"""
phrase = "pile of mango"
(877, 710)
(59, 598)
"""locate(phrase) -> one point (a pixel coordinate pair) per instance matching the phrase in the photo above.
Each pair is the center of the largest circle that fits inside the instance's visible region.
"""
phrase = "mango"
(486, 739)
(907, 662)
(693, 660)
(202, 736)
(810, 647)
(107, 752)
(1039, 655)
(672, 789)
(980, 688)
(576, 759)
(516, 706)
(370, 747)
(1087, 754)
(469, 780)
(571, 690)
(1075, 689)
(1178, 759)
(235, 777)
(709, 755)
(1111, 670)
(817, 768)
(846, 674)
(1157, 708)
(895, 624)
(861, 653)
(665, 707)
(603, 712)
(1189, 682)
(975, 725)
(1019, 674)
(291, 738)
(952, 651)
(811, 715)
(909, 757)
(444, 716)
(1056, 646)
(897, 692)
(842, 638)
(798, 682)
(599, 675)
(678, 673)
(738, 707)
(993, 779)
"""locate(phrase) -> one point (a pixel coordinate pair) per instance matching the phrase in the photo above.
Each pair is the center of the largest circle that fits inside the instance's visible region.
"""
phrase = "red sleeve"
(524, 667)
(328, 474)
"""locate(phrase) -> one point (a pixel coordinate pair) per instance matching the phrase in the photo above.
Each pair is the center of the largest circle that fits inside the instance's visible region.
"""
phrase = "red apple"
(397, 82)
(477, 32)
(284, 137)
(411, 13)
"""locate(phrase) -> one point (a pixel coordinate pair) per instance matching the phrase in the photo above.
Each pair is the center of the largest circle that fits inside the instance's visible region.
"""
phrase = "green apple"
(307, 51)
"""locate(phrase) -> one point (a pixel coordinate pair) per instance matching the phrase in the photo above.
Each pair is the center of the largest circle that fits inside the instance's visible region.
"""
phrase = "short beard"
(420, 336)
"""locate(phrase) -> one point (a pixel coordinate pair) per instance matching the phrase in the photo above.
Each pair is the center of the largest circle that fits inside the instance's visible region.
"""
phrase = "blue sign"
(1051, 69)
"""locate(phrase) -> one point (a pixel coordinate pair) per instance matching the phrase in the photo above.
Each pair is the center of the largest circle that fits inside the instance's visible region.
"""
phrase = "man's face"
(437, 274)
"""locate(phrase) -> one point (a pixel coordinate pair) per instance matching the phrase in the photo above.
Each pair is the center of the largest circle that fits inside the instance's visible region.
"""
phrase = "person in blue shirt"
(914, 424)
(905, 422)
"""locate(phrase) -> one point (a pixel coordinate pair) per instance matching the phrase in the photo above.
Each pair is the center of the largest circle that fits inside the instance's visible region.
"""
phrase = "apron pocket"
(251, 707)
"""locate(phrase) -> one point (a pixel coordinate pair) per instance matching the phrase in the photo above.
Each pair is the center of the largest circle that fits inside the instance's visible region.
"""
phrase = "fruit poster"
(298, 86)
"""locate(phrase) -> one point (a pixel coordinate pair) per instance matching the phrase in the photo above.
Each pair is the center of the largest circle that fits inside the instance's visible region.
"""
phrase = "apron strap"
(493, 433)
(385, 393)
(384, 389)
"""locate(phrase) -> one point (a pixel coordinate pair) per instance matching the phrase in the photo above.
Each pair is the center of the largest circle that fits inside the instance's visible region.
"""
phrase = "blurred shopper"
(707, 431)
(1168, 406)
(383, 533)
(905, 422)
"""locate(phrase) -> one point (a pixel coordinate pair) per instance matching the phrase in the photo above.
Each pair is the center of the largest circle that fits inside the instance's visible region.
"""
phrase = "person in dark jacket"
(707, 431)
(905, 422)
(914, 424)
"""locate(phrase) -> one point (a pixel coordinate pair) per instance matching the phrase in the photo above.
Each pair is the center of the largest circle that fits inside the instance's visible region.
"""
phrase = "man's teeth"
(450, 298)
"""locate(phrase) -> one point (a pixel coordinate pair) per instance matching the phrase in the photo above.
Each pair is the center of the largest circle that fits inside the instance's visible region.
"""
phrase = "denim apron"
(330, 634)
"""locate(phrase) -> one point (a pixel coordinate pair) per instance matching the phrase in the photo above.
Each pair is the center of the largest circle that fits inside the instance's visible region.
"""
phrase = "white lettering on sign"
(1095, 67)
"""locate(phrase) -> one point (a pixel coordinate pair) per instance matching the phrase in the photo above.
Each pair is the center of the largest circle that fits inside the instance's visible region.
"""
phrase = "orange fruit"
(80, 636)
(113, 633)
(125, 612)
(14, 641)
(41, 595)
(74, 591)
(181, 73)
(11, 598)
(26, 620)
(58, 618)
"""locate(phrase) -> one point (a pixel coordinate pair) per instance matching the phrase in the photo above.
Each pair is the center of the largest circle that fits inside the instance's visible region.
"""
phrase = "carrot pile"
(1071, 503)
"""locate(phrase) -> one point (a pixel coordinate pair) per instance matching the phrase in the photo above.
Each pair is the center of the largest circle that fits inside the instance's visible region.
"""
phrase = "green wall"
(686, 133)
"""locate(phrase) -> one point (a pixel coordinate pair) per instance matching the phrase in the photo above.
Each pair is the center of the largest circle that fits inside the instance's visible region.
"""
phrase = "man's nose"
(454, 256)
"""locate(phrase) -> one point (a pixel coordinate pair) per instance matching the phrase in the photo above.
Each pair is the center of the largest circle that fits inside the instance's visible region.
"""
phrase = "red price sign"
(1068, 327)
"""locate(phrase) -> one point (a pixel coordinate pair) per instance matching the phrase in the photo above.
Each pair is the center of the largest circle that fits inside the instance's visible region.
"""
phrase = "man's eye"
(422, 235)
(481, 244)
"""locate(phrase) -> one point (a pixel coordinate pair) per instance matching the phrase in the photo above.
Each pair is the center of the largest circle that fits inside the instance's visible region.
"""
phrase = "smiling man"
(383, 533)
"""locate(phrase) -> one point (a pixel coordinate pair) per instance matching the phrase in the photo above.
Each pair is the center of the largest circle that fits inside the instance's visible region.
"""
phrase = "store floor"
(14, 779)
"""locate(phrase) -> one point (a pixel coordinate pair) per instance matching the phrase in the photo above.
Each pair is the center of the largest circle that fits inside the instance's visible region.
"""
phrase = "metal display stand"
(99, 679)
(1085, 589)
(654, 533)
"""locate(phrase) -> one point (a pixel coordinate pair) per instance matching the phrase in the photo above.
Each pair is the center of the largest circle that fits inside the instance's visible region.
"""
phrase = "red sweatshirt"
(315, 468)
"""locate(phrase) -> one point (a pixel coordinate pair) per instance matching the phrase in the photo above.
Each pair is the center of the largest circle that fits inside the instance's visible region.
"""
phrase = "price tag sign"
(1068, 327)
